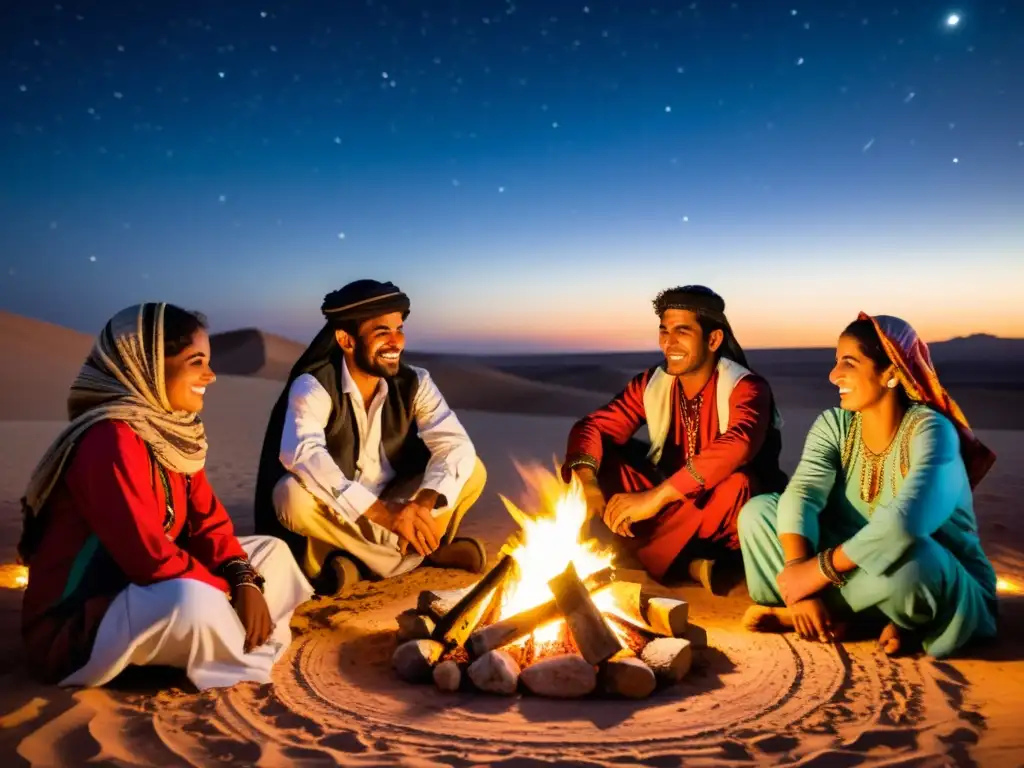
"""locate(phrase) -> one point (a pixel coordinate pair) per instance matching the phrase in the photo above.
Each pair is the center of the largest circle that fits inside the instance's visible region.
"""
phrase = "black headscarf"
(343, 309)
(704, 302)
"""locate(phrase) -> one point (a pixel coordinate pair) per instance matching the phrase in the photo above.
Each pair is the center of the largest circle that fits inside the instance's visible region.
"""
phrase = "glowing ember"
(551, 540)
(1006, 586)
(13, 576)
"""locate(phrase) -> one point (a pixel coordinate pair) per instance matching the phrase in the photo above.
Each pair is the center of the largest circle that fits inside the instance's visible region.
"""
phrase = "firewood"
(495, 672)
(698, 636)
(669, 658)
(456, 625)
(667, 616)
(506, 631)
(436, 603)
(663, 616)
(414, 661)
(626, 675)
(566, 676)
(592, 634)
(413, 626)
(448, 676)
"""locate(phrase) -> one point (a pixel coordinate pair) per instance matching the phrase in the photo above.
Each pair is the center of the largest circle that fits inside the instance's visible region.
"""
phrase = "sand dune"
(465, 382)
(751, 700)
(251, 352)
(40, 362)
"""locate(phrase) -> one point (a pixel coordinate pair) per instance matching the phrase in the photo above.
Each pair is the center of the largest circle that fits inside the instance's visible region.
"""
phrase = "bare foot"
(890, 641)
(761, 618)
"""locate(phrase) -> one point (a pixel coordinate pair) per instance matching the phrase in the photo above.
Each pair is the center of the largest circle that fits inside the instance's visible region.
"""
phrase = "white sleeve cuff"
(357, 498)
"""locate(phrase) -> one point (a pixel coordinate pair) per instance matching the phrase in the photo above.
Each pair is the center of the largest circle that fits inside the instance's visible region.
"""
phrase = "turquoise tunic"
(919, 559)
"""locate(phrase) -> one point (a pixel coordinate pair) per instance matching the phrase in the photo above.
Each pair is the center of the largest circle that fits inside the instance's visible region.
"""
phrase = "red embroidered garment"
(734, 465)
(105, 528)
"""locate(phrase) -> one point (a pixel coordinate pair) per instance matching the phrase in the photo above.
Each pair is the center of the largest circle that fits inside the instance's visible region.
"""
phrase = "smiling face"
(682, 341)
(861, 382)
(377, 348)
(188, 374)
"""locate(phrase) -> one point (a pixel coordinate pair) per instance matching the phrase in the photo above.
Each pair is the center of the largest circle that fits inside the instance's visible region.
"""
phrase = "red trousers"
(703, 525)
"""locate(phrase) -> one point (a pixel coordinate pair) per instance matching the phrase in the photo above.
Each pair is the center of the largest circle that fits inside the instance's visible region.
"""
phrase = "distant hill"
(464, 382)
(985, 373)
(251, 352)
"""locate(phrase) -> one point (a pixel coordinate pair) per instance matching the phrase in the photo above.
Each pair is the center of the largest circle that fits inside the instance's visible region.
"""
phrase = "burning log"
(664, 616)
(436, 604)
(506, 631)
(495, 672)
(413, 626)
(593, 636)
(456, 625)
(414, 661)
(669, 658)
(668, 616)
(566, 676)
(448, 676)
(626, 675)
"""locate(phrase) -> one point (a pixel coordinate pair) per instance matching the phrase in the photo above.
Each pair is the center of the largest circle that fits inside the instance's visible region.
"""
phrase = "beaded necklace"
(691, 421)
(872, 466)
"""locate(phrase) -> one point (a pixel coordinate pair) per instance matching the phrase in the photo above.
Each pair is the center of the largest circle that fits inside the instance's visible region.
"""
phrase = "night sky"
(530, 172)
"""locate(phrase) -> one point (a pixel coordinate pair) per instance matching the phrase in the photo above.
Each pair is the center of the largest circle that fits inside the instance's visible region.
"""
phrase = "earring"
(891, 384)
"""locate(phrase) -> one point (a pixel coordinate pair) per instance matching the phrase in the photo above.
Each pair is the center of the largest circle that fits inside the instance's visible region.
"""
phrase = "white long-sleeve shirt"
(304, 446)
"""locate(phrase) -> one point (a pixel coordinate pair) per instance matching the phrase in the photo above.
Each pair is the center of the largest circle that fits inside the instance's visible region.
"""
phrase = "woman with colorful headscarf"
(132, 558)
(878, 517)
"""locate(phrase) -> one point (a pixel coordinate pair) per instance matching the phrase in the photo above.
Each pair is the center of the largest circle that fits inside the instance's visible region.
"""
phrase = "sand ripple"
(753, 699)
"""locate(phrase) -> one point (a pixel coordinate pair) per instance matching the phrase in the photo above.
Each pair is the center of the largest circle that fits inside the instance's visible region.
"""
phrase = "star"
(92, 258)
(953, 20)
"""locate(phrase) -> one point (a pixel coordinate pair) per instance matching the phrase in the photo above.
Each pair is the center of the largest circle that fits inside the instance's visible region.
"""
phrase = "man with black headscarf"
(364, 466)
(714, 442)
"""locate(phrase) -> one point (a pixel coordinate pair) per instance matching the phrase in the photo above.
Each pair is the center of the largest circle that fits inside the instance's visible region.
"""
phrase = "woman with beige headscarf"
(132, 558)
(878, 519)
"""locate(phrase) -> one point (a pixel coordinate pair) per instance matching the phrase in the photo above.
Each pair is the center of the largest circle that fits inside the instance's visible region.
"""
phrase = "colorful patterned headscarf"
(913, 363)
(121, 380)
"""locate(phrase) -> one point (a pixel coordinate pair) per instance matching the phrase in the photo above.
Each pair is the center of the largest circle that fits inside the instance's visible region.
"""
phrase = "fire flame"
(551, 540)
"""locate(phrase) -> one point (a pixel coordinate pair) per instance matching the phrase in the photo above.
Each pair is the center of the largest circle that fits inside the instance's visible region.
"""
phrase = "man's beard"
(371, 365)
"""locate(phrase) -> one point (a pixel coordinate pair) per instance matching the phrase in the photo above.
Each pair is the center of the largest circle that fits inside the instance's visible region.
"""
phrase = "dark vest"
(400, 439)
(405, 451)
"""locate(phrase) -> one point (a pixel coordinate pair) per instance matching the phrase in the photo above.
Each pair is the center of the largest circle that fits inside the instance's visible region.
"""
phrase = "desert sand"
(751, 700)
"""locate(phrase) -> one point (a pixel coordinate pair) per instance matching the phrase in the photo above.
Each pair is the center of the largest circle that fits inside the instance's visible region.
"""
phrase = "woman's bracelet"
(828, 569)
(238, 572)
(797, 560)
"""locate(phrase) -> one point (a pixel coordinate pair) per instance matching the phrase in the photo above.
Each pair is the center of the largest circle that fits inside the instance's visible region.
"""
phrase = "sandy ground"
(753, 699)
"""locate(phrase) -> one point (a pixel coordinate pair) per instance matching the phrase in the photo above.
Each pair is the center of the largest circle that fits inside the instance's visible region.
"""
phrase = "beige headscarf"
(122, 380)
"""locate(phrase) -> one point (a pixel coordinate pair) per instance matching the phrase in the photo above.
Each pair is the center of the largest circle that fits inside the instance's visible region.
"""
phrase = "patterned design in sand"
(750, 699)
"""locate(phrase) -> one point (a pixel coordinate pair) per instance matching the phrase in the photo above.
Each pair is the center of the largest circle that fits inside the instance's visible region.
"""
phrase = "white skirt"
(191, 625)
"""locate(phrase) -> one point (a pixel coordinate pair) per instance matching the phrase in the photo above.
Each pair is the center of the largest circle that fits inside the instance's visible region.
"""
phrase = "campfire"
(553, 614)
